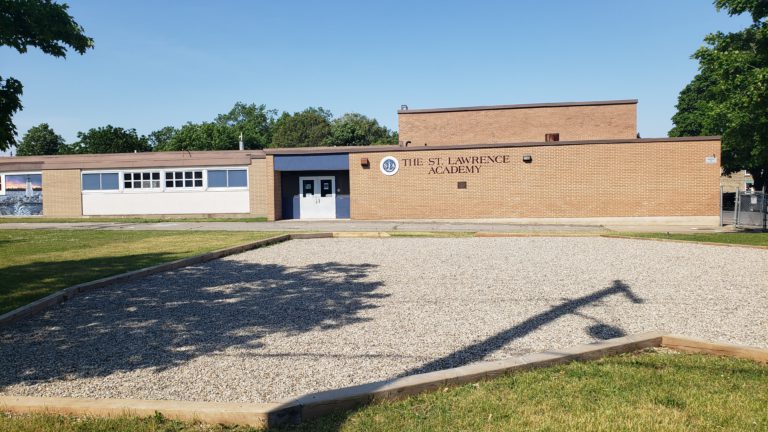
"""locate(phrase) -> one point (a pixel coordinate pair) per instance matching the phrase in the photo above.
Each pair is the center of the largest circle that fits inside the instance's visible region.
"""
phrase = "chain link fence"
(748, 210)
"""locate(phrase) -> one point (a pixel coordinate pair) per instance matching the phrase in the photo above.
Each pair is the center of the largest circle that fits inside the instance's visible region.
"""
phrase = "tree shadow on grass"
(171, 318)
(22, 284)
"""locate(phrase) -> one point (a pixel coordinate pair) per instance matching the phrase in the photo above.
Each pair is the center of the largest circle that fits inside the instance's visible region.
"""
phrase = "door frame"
(330, 207)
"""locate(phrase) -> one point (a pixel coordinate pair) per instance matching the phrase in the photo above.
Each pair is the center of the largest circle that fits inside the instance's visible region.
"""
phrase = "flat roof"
(518, 106)
(469, 146)
(237, 157)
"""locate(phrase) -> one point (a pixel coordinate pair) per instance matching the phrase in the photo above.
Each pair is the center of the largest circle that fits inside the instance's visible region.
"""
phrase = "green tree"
(108, 139)
(253, 121)
(729, 96)
(41, 24)
(355, 129)
(202, 136)
(40, 140)
(308, 128)
(161, 138)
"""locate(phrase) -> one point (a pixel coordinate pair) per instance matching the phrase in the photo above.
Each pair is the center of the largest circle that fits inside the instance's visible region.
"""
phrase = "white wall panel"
(186, 202)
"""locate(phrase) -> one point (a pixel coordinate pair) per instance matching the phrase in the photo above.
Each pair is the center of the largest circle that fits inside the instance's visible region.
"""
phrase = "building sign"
(389, 165)
(710, 160)
(456, 164)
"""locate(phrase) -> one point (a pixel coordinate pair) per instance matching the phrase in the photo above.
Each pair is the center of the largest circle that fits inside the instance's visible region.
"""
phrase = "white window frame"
(163, 189)
(13, 173)
(203, 172)
(141, 189)
(119, 181)
(226, 188)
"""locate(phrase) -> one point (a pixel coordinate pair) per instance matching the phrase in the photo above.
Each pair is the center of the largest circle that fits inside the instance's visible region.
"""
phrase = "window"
(141, 180)
(227, 178)
(101, 181)
(183, 179)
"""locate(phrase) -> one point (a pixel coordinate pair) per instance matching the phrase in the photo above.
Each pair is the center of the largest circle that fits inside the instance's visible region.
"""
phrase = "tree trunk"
(759, 175)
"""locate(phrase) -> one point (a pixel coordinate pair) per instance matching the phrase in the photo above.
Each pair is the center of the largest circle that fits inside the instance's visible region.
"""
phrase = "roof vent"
(403, 107)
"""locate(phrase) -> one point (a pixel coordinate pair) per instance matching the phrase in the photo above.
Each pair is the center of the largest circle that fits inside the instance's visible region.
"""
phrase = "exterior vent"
(552, 137)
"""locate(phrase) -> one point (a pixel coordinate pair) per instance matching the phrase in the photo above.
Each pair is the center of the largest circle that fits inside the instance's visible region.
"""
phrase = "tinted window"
(217, 178)
(91, 182)
(109, 181)
(238, 178)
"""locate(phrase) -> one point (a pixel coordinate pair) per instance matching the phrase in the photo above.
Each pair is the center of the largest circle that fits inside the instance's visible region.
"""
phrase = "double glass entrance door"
(318, 197)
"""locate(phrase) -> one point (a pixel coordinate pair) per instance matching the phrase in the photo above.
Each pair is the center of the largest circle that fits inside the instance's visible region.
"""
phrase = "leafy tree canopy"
(108, 139)
(729, 96)
(201, 136)
(253, 121)
(355, 129)
(41, 24)
(40, 140)
(308, 128)
(161, 138)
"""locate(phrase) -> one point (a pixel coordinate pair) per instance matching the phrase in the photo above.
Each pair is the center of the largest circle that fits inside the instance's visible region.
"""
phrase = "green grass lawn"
(35, 263)
(743, 238)
(652, 391)
(128, 219)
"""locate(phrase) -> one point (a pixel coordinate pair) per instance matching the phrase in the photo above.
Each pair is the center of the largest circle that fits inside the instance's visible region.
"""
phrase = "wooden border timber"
(694, 345)
(207, 412)
(67, 293)
(306, 407)
(685, 241)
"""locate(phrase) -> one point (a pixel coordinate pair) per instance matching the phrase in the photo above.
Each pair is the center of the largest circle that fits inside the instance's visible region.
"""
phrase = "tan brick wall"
(573, 123)
(258, 187)
(598, 180)
(61, 193)
(274, 200)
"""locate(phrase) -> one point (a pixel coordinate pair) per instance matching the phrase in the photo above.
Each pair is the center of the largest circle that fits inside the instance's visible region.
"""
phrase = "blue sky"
(159, 63)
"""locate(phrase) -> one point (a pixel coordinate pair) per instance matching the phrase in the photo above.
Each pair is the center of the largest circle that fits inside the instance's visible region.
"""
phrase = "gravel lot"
(309, 315)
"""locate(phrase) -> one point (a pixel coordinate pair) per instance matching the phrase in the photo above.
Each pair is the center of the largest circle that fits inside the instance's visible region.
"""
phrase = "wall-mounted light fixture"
(365, 163)
(527, 158)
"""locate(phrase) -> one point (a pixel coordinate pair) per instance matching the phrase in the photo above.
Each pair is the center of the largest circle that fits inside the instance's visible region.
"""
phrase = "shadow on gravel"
(171, 318)
(480, 350)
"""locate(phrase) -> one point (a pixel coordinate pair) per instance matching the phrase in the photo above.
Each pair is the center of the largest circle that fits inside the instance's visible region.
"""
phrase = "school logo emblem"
(389, 165)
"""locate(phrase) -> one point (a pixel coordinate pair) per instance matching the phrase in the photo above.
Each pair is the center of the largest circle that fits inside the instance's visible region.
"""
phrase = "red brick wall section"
(573, 123)
(595, 180)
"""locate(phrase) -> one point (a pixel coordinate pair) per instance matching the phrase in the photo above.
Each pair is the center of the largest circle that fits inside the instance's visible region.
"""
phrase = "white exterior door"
(318, 197)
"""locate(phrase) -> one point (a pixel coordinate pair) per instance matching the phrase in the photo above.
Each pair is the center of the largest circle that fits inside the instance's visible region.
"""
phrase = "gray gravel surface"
(309, 315)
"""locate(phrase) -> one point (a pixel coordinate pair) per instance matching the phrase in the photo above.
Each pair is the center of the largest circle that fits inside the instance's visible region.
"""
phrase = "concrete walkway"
(365, 226)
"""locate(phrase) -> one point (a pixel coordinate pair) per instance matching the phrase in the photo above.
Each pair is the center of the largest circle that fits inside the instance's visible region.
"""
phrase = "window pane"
(198, 183)
(187, 183)
(217, 178)
(169, 183)
(145, 176)
(188, 175)
(127, 176)
(179, 183)
(91, 182)
(109, 181)
(238, 178)
(128, 185)
(155, 176)
(144, 184)
(198, 174)
(156, 184)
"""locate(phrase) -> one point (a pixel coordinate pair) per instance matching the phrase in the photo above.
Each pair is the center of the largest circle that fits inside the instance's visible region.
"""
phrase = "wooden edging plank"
(67, 293)
(736, 245)
(694, 345)
(208, 412)
(317, 404)
(306, 407)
